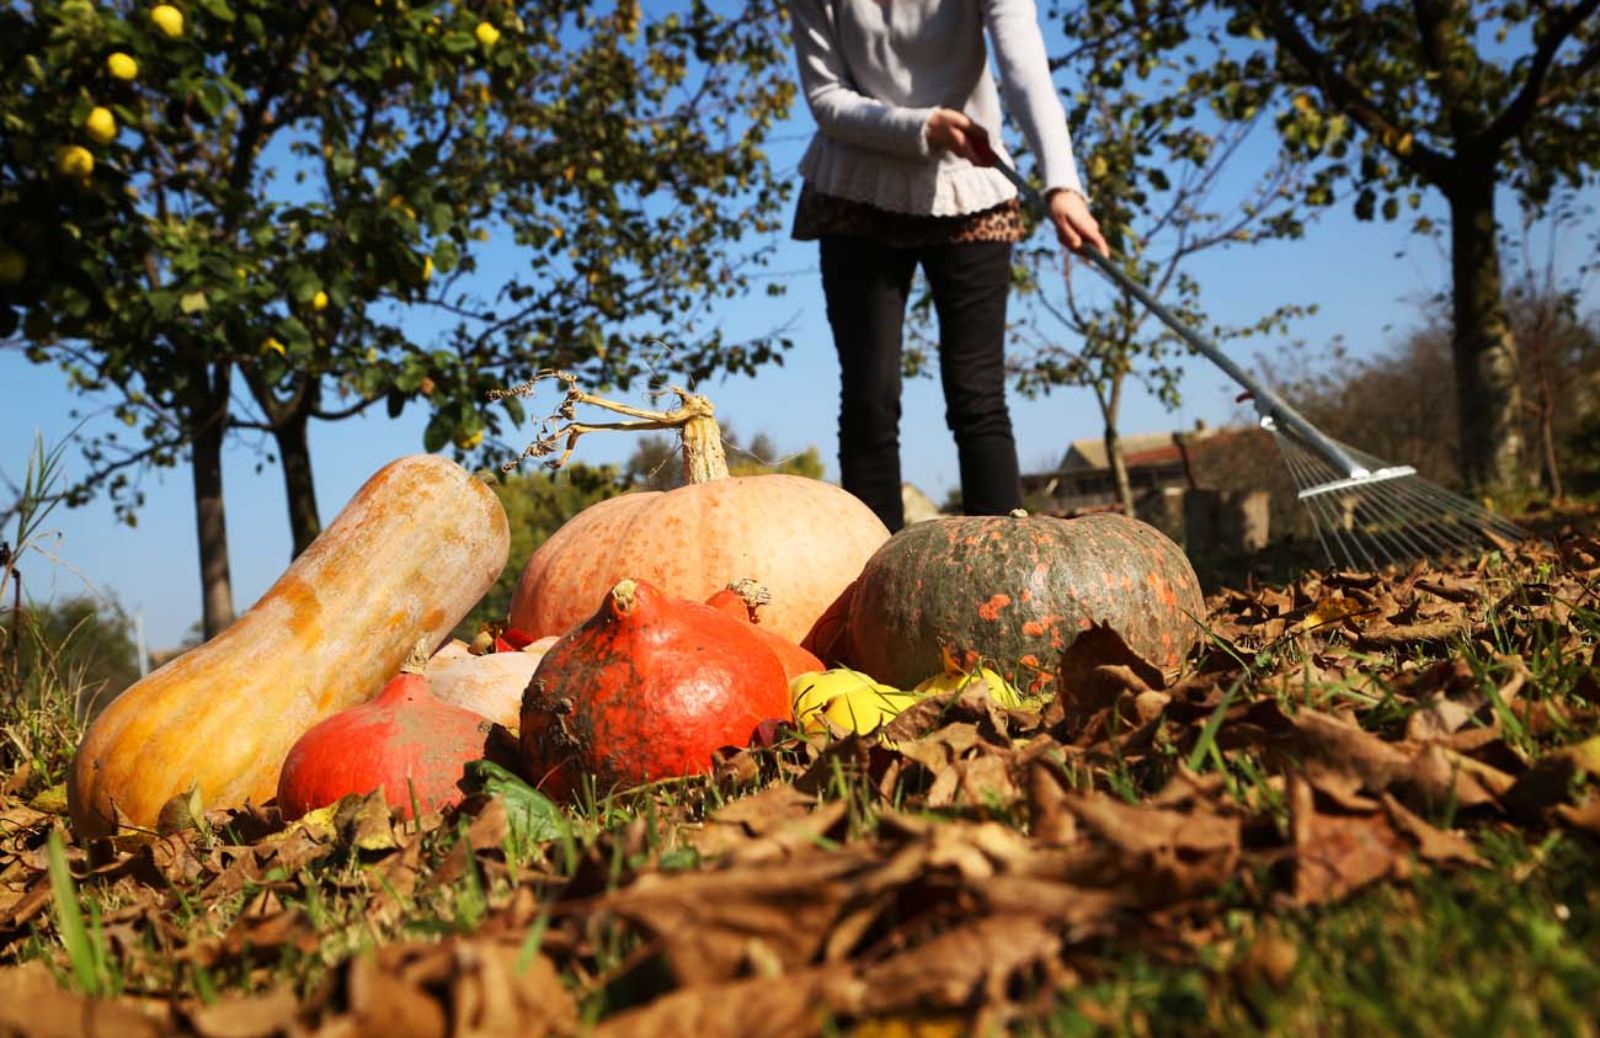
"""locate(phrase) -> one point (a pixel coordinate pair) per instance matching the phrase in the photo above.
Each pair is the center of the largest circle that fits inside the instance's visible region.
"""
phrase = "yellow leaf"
(320, 821)
(911, 1026)
(1329, 610)
(51, 801)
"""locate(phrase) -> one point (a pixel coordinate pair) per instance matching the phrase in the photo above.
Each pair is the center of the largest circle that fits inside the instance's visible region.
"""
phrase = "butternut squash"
(413, 551)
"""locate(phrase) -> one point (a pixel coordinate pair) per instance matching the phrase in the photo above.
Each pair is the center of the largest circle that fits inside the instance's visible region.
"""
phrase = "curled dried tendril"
(561, 430)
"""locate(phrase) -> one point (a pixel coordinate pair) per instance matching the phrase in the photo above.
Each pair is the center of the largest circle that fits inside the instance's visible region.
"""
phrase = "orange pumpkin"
(803, 539)
(406, 742)
(413, 551)
(744, 600)
(648, 688)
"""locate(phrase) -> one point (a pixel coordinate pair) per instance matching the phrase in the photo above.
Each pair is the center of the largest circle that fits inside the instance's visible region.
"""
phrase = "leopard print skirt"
(817, 215)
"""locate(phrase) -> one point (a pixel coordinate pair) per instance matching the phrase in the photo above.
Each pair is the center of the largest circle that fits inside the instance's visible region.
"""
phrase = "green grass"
(1514, 950)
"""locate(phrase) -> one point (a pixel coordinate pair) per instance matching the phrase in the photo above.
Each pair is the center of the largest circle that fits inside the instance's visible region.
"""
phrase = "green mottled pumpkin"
(1013, 592)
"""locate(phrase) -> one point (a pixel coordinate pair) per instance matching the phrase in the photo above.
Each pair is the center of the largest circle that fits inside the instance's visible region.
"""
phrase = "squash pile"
(412, 553)
(628, 656)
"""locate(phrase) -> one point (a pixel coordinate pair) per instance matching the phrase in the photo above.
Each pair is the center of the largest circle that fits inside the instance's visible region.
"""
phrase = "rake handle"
(1272, 408)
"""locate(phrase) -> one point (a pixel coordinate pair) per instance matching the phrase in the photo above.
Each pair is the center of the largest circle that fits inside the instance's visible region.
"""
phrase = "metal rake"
(1366, 512)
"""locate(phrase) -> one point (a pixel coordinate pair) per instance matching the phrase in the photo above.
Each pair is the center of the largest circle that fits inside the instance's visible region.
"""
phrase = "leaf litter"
(946, 875)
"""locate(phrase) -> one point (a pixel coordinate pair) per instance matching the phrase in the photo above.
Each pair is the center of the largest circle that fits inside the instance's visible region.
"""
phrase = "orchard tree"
(1466, 99)
(1156, 156)
(236, 216)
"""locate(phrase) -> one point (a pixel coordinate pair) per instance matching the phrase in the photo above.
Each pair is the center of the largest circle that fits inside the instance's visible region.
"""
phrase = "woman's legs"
(971, 283)
(866, 287)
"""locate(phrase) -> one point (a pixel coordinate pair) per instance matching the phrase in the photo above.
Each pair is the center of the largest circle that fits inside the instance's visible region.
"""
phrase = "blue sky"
(1366, 279)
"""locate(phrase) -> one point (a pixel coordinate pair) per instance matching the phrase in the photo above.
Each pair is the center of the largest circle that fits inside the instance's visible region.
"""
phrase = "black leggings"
(867, 286)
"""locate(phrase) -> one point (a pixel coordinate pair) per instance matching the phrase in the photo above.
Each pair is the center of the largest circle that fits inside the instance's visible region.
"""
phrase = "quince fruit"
(123, 67)
(74, 161)
(101, 126)
(168, 19)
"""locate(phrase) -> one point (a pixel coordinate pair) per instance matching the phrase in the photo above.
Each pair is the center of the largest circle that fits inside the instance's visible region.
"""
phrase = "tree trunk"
(1547, 438)
(295, 455)
(1487, 391)
(1109, 407)
(216, 585)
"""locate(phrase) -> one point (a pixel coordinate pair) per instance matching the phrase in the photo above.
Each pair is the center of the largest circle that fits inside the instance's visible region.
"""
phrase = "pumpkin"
(412, 552)
(743, 600)
(848, 699)
(996, 687)
(1012, 592)
(491, 684)
(648, 688)
(453, 649)
(803, 539)
(405, 742)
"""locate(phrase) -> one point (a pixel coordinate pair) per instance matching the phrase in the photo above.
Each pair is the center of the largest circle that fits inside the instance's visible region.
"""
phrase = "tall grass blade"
(69, 918)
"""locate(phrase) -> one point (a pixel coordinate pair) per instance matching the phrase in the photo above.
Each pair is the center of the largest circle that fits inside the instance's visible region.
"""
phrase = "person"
(899, 174)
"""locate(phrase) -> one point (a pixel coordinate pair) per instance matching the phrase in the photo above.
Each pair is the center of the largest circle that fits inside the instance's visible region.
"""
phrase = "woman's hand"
(1076, 227)
(953, 131)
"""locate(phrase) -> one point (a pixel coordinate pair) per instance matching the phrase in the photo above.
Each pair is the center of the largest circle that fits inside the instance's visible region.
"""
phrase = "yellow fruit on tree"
(123, 67)
(101, 126)
(466, 442)
(74, 161)
(13, 266)
(319, 301)
(487, 34)
(168, 19)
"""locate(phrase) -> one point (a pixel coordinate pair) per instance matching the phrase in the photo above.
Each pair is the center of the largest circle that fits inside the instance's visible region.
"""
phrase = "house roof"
(1141, 448)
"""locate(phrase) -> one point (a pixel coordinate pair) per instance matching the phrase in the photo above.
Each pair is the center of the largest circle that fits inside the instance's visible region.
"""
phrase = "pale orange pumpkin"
(413, 551)
(491, 684)
(803, 539)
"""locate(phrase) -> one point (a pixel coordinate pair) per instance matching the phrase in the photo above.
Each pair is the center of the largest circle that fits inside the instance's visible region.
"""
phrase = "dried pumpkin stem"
(417, 662)
(693, 418)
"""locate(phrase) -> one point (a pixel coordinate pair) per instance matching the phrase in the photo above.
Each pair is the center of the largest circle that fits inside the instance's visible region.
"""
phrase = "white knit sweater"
(874, 70)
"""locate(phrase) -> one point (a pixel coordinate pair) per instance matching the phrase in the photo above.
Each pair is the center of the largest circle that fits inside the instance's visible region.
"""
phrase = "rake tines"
(1373, 513)
(1366, 512)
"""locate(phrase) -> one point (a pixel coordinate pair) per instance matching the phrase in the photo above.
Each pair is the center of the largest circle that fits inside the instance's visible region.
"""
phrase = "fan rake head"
(1377, 514)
